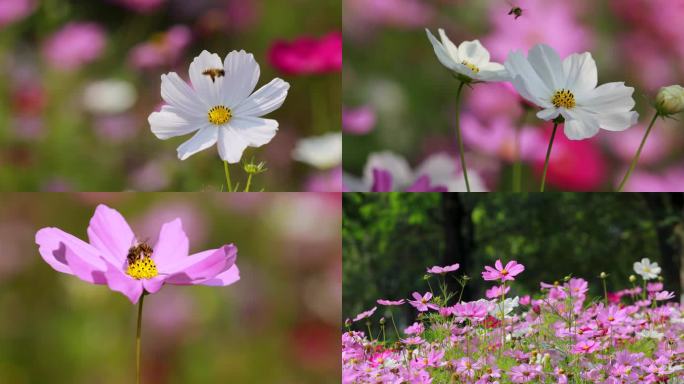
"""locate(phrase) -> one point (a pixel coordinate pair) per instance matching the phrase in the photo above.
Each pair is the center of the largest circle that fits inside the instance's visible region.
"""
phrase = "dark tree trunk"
(459, 238)
(667, 210)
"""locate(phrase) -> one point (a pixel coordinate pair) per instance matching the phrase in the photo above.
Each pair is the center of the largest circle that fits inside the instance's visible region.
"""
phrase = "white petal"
(450, 47)
(579, 124)
(580, 73)
(441, 52)
(548, 113)
(255, 130)
(547, 65)
(170, 122)
(203, 139)
(526, 80)
(397, 166)
(473, 52)
(207, 90)
(609, 97)
(231, 145)
(266, 100)
(493, 72)
(618, 121)
(242, 75)
(178, 93)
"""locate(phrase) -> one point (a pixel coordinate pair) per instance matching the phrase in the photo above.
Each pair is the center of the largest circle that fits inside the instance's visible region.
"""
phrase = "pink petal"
(417, 296)
(428, 296)
(201, 266)
(86, 268)
(172, 246)
(154, 284)
(121, 282)
(517, 269)
(53, 244)
(498, 265)
(230, 276)
(110, 233)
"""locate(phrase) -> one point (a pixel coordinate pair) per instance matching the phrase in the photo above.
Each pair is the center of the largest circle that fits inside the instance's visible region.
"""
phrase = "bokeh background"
(398, 97)
(78, 80)
(389, 240)
(279, 324)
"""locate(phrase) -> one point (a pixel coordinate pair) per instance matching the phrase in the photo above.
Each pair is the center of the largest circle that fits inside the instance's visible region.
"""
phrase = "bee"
(138, 252)
(214, 73)
(515, 10)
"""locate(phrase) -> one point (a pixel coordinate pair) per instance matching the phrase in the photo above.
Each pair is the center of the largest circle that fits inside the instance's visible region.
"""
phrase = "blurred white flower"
(322, 152)
(109, 96)
(646, 269)
(220, 106)
(469, 59)
(568, 88)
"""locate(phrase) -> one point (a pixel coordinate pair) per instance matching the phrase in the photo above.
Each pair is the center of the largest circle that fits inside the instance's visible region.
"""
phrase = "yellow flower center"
(563, 98)
(219, 115)
(143, 268)
(472, 67)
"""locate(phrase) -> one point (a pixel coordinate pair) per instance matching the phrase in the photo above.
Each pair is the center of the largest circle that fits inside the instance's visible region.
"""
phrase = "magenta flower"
(585, 347)
(390, 302)
(308, 56)
(75, 45)
(442, 270)
(524, 373)
(116, 258)
(358, 121)
(415, 329)
(365, 314)
(496, 291)
(164, 49)
(422, 302)
(499, 272)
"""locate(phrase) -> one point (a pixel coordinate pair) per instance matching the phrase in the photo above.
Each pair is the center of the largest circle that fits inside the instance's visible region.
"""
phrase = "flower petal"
(85, 267)
(172, 245)
(526, 81)
(201, 266)
(53, 244)
(178, 93)
(203, 139)
(118, 281)
(579, 124)
(618, 121)
(230, 276)
(231, 144)
(473, 52)
(170, 122)
(547, 64)
(154, 284)
(609, 97)
(450, 47)
(580, 73)
(206, 88)
(242, 75)
(266, 100)
(255, 130)
(441, 52)
(109, 232)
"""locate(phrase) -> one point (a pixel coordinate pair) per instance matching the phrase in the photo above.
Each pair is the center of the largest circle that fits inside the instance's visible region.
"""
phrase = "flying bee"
(515, 10)
(214, 73)
(138, 252)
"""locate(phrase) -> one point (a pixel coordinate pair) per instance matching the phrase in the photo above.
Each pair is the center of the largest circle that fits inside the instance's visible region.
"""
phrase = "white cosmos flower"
(646, 269)
(219, 106)
(568, 88)
(322, 152)
(469, 59)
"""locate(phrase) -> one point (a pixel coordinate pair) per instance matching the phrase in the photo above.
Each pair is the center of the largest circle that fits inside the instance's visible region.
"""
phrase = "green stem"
(458, 135)
(638, 153)
(228, 184)
(548, 155)
(137, 340)
(605, 292)
(395, 327)
(249, 182)
(517, 162)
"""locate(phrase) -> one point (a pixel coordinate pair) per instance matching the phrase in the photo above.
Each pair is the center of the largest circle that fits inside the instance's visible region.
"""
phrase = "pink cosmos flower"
(308, 56)
(115, 257)
(585, 347)
(416, 340)
(365, 314)
(664, 295)
(75, 45)
(473, 311)
(390, 302)
(496, 291)
(14, 10)
(422, 302)
(415, 329)
(164, 49)
(358, 121)
(142, 6)
(524, 373)
(499, 272)
(442, 270)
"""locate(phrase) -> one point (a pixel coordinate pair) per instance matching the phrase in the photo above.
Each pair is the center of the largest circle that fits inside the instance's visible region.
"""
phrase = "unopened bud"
(255, 169)
(670, 100)
(382, 321)
(632, 278)
(603, 275)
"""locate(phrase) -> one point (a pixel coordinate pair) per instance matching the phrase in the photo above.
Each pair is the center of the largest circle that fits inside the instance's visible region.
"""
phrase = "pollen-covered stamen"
(563, 98)
(472, 67)
(219, 115)
(140, 263)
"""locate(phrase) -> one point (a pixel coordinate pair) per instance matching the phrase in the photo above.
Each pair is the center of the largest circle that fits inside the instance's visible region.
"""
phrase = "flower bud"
(632, 278)
(603, 275)
(670, 100)
(382, 321)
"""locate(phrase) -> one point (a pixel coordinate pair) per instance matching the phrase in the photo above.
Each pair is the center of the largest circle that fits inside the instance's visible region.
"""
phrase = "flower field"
(560, 335)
